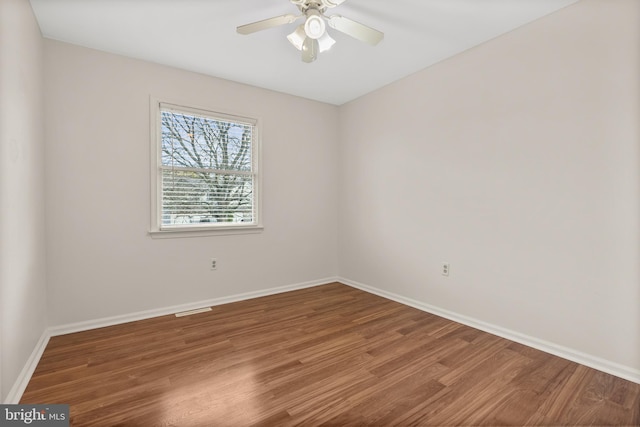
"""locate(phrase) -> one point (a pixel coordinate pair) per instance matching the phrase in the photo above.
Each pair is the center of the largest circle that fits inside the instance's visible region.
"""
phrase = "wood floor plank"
(328, 355)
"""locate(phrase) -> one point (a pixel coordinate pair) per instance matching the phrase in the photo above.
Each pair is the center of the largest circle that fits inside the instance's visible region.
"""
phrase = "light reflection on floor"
(231, 397)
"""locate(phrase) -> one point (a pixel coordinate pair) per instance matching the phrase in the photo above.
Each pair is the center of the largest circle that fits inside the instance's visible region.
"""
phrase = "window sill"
(205, 232)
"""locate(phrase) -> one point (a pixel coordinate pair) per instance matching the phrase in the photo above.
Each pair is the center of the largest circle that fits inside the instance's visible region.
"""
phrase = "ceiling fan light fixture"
(325, 42)
(314, 26)
(312, 37)
(331, 3)
(297, 37)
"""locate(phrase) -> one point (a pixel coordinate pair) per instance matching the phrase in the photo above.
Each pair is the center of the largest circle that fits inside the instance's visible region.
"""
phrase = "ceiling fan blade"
(266, 23)
(309, 49)
(355, 29)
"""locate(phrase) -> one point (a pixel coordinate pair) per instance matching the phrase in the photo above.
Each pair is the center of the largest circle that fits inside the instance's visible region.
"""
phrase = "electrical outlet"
(214, 264)
(445, 269)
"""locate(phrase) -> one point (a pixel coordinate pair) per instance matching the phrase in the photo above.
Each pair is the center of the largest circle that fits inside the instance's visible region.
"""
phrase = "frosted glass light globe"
(314, 27)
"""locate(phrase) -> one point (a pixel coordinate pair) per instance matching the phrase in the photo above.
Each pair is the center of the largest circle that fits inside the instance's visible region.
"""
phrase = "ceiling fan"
(312, 37)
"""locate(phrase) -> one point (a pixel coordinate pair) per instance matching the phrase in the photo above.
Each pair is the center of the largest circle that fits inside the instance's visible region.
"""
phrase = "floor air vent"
(190, 312)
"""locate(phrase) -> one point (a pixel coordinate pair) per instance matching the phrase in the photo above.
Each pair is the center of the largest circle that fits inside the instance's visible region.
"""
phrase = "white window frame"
(156, 230)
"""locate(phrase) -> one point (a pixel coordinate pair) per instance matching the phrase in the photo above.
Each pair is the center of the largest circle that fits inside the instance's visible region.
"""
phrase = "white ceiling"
(199, 35)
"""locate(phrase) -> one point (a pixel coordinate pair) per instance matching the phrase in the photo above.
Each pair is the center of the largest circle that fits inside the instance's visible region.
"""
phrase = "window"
(205, 167)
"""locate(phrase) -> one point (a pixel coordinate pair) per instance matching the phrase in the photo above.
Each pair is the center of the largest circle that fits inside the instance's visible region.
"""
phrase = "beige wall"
(101, 261)
(22, 237)
(516, 162)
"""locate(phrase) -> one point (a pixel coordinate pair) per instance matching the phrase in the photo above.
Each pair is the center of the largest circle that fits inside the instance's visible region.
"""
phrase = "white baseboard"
(603, 365)
(25, 375)
(148, 314)
(621, 371)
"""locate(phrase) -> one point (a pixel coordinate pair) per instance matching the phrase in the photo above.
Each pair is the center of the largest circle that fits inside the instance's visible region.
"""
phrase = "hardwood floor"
(329, 355)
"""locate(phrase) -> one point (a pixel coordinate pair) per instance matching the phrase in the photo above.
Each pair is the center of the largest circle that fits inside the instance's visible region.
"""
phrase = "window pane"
(201, 198)
(193, 141)
(207, 175)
